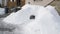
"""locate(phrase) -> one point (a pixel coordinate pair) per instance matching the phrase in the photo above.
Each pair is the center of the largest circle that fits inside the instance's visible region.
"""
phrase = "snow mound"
(22, 15)
(46, 20)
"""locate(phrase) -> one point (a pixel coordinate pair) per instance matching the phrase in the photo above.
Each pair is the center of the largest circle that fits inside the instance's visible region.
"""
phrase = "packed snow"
(46, 20)
(23, 14)
(52, 10)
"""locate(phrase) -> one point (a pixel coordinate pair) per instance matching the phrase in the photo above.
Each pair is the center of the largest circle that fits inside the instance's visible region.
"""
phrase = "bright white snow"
(52, 10)
(23, 15)
(46, 20)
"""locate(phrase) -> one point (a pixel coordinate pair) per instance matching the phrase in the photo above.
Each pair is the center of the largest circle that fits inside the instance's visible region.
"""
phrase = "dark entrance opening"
(32, 17)
(18, 2)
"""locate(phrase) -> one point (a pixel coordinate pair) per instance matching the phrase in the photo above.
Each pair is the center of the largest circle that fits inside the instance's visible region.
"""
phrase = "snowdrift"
(46, 20)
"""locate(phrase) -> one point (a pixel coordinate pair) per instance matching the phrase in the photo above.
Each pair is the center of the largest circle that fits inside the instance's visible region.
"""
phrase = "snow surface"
(52, 10)
(47, 20)
(22, 16)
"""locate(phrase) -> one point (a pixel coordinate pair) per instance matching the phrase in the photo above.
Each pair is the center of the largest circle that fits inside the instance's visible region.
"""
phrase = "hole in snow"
(32, 17)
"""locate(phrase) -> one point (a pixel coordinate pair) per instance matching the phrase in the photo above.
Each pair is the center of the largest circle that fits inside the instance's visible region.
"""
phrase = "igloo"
(34, 19)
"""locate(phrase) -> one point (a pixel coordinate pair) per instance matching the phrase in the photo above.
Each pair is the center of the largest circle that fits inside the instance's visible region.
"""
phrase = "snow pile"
(22, 15)
(46, 20)
(46, 24)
